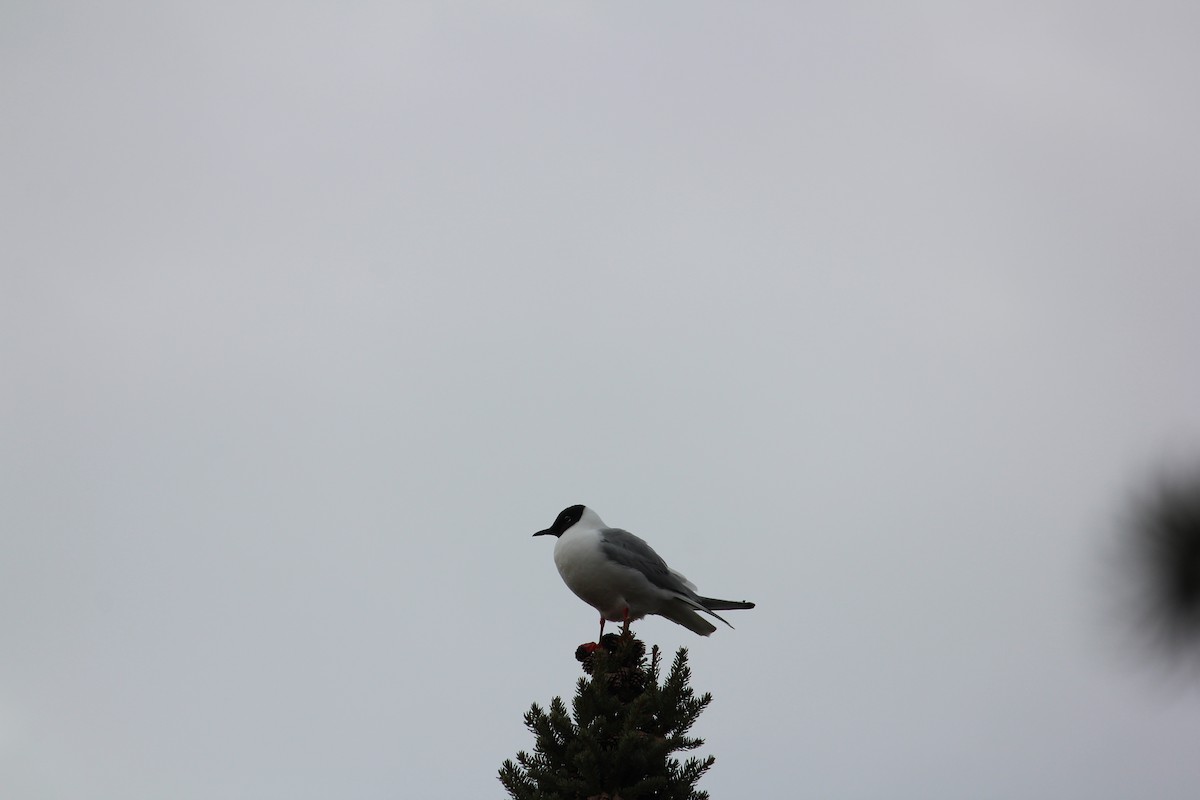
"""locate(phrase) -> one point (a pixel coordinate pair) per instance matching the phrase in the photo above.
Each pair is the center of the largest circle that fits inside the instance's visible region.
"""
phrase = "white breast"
(607, 587)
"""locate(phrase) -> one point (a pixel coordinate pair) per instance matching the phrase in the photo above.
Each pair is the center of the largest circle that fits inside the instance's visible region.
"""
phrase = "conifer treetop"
(620, 738)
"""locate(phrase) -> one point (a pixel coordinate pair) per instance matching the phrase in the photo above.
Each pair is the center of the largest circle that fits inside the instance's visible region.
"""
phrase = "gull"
(622, 577)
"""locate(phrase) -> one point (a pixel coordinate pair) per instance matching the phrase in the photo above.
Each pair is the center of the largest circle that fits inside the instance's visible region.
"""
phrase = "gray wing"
(628, 550)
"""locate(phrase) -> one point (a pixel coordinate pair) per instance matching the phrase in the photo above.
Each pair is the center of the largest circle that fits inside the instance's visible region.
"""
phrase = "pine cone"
(585, 654)
(626, 677)
(627, 683)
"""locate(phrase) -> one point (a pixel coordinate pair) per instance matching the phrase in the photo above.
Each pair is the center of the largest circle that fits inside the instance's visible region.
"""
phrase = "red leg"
(625, 625)
(601, 628)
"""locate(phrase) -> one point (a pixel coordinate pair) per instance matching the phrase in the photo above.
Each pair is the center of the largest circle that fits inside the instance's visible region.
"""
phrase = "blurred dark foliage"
(1162, 543)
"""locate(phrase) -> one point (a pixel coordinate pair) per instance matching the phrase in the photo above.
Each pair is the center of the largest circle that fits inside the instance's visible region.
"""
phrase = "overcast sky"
(312, 313)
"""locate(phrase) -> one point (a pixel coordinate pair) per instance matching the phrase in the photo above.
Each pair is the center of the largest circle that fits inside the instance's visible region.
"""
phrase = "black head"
(566, 518)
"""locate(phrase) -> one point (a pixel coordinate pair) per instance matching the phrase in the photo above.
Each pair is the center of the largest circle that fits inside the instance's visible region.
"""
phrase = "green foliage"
(618, 741)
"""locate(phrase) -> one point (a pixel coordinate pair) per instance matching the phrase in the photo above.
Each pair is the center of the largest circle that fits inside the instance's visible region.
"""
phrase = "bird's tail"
(713, 604)
(683, 611)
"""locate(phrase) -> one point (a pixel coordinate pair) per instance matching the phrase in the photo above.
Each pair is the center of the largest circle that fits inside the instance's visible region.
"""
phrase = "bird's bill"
(546, 532)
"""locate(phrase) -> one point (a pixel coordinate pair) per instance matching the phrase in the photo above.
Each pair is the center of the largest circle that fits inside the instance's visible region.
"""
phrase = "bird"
(622, 577)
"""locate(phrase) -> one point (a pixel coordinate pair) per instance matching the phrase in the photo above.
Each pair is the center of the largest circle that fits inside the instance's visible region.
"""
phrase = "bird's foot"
(586, 651)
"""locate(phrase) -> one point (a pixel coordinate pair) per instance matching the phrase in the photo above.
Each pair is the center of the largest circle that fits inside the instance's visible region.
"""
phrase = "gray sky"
(312, 313)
